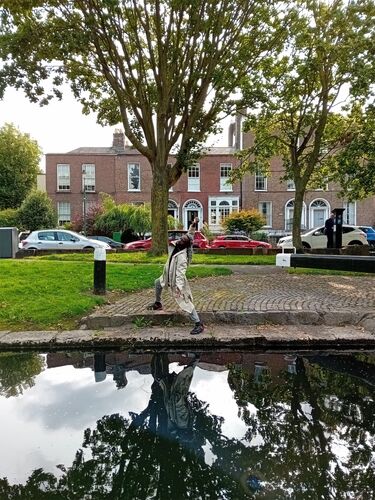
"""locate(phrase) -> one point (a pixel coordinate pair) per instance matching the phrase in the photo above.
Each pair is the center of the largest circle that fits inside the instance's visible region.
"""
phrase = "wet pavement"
(257, 306)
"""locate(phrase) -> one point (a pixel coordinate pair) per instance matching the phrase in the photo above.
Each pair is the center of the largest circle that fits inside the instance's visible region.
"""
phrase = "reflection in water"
(307, 426)
(17, 372)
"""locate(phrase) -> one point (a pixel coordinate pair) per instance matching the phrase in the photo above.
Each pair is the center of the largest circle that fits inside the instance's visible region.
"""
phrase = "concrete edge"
(93, 339)
(329, 318)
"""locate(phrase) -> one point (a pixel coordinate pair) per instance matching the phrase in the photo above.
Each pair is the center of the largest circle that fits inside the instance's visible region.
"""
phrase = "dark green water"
(216, 425)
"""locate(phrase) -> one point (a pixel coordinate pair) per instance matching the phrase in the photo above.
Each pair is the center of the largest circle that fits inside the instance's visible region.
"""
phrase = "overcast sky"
(61, 126)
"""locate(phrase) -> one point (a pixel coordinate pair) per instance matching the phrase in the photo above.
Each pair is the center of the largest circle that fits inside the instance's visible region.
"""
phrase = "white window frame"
(130, 166)
(267, 214)
(290, 209)
(215, 210)
(194, 181)
(88, 177)
(173, 206)
(63, 212)
(290, 185)
(259, 177)
(350, 213)
(225, 186)
(61, 177)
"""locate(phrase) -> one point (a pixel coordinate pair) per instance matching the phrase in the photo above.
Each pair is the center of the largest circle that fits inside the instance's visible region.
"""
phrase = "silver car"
(60, 239)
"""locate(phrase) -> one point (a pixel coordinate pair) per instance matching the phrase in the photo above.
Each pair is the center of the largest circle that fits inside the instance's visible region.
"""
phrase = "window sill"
(134, 190)
(63, 191)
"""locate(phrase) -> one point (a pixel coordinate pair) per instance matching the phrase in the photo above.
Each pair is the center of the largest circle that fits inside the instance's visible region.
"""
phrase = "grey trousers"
(158, 290)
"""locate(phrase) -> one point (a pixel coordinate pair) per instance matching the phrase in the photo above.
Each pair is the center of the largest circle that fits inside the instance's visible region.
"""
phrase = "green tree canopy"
(37, 212)
(19, 166)
(356, 160)
(165, 69)
(295, 99)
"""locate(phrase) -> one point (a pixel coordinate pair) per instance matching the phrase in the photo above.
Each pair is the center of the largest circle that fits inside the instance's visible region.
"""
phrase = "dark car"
(112, 243)
(200, 241)
(237, 241)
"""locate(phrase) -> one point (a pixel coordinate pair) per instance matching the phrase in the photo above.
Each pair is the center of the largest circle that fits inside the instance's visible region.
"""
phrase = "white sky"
(60, 126)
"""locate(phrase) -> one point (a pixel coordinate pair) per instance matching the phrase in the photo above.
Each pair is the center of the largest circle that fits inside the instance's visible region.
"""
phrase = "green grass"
(38, 294)
(145, 258)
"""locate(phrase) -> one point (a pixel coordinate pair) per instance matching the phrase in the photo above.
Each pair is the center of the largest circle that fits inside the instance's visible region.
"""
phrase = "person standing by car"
(328, 230)
(174, 276)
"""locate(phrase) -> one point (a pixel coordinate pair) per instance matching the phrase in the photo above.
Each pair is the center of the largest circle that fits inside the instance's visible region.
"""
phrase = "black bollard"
(99, 271)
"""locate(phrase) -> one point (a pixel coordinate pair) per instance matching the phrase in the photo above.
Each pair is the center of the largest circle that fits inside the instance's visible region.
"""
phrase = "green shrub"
(9, 217)
(260, 236)
(248, 221)
(37, 212)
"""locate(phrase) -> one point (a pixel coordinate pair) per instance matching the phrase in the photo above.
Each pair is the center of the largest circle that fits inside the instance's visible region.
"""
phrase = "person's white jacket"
(177, 267)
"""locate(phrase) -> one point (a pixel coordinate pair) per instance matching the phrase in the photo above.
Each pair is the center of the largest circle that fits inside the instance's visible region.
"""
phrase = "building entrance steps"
(254, 295)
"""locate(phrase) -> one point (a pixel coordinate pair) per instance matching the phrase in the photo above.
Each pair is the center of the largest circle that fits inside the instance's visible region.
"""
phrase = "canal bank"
(257, 306)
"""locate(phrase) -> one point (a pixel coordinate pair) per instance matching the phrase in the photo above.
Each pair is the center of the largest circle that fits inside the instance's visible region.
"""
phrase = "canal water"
(172, 425)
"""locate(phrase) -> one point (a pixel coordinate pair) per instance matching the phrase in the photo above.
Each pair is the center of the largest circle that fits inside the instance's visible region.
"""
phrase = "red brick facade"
(210, 199)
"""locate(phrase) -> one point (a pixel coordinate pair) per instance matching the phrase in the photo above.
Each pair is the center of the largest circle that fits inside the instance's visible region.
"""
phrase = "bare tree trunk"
(159, 209)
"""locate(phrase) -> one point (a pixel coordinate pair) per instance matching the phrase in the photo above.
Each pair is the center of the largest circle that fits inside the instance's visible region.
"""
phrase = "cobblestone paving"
(258, 292)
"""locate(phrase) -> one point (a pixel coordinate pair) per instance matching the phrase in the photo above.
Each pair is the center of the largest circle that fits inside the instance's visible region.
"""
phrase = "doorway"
(192, 209)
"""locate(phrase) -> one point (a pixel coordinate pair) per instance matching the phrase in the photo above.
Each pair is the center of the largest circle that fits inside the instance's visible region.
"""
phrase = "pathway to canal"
(261, 307)
(255, 295)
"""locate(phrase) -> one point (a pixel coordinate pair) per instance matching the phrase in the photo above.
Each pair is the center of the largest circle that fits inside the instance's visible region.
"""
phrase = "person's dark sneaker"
(199, 327)
(156, 306)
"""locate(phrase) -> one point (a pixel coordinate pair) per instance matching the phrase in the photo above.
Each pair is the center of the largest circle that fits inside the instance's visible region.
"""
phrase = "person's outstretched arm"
(193, 227)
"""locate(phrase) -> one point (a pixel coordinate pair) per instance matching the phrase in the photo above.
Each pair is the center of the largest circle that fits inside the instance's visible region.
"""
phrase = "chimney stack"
(118, 140)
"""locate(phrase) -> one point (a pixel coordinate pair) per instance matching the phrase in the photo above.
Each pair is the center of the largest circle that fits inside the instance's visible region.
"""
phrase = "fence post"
(100, 271)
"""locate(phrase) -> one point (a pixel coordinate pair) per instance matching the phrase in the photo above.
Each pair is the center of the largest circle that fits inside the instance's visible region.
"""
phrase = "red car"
(237, 241)
(200, 241)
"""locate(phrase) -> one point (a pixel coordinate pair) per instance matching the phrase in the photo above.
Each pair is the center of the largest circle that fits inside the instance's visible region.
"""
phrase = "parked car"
(22, 236)
(237, 241)
(315, 238)
(200, 241)
(112, 243)
(60, 239)
(370, 234)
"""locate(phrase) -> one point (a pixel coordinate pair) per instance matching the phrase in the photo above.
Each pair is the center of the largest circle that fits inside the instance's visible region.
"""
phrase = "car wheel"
(88, 248)
(355, 243)
(305, 245)
(221, 247)
(31, 248)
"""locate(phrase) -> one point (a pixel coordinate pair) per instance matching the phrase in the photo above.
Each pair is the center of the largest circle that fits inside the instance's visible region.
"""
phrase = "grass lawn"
(145, 258)
(37, 294)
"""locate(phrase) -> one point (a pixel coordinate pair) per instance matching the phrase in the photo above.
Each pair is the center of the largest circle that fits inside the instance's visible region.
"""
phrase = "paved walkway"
(254, 295)
(257, 307)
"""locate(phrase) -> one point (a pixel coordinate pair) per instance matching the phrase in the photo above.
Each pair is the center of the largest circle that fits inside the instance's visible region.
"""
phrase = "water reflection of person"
(174, 390)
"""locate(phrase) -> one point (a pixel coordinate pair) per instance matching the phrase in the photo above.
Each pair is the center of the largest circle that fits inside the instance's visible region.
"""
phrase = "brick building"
(204, 191)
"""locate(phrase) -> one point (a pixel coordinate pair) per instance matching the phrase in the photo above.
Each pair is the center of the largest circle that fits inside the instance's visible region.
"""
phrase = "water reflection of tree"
(151, 454)
(302, 422)
(295, 427)
(18, 371)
